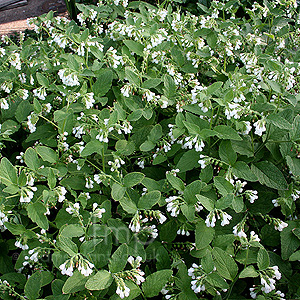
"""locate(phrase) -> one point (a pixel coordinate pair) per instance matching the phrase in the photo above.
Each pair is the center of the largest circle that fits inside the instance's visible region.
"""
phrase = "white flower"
(19, 245)
(61, 40)
(70, 79)
(162, 218)
(98, 212)
(89, 183)
(202, 162)
(277, 274)
(66, 271)
(61, 193)
(211, 220)
(123, 291)
(4, 103)
(89, 100)
(225, 217)
(173, 205)
(97, 178)
(15, 60)
(280, 225)
(126, 90)
(260, 127)
(40, 93)
(254, 237)
(85, 268)
(252, 195)
(247, 127)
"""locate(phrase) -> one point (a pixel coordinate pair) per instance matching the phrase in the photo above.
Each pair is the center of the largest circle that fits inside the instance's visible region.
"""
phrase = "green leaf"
(170, 86)
(188, 161)
(224, 187)
(103, 83)
(151, 83)
(176, 182)
(135, 115)
(207, 262)
(269, 175)
(72, 230)
(294, 165)
(289, 242)
(224, 202)
(51, 178)
(133, 179)
(149, 199)
(203, 235)
(238, 204)
(15, 229)
(33, 286)
(94, 146)
(242, 170)
(226, 153)
(135, 47)
(120, 230)
(67, 245)
(211, 89)
(279, 121)
(117, 191)
(212, 39)
(188, 211)
(248, 272)
(295, 256)
(128, 205)
(132, 76)
(295, 132)
(225, 264)
(36, 212)
(155, 282)
(155, 133)
(42, 80)
(118, 260)
(8, 173)
(97, 230)
(147, 146)
(31, 159)
(263, 260)
(206, 202)
(75, 283)
(47, 154)
(100, 281)
(88, 247)
(227, 133)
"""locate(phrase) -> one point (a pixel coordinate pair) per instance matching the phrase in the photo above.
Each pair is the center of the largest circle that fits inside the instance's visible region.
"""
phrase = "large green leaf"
(75, 283)
(103, 83)
(8, 173)
(188, 161)
(135, 47)
(203, 235)
(269, 175)
(47, 154)
(149, 199)
(155, 282)
(225, 264)
(33, 286)
(36, 212)
(132, 179)
(226, 153)
(100, 281)
(118, 260)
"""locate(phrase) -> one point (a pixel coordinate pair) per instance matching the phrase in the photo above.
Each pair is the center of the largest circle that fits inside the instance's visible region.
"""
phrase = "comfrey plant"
(152, 153)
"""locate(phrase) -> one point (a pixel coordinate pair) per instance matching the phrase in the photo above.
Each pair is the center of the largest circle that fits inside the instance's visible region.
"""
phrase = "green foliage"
(148, 150)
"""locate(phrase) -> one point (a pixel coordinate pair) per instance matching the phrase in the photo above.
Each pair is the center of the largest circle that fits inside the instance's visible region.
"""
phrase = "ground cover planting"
(147, 152)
